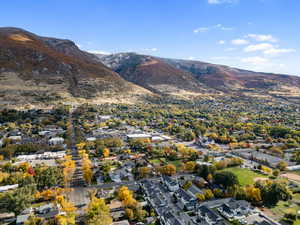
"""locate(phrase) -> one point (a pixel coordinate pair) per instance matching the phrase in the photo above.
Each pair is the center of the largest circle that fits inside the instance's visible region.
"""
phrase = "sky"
(260, 35)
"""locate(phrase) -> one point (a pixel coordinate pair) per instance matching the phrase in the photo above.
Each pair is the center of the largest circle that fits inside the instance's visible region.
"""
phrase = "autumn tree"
(98, 212)
(169, 169)
(190, 166)
(105, 152)
(67, 209)
(208, 194)
(68, 168)
(144, 172)
(86, 166)
(200, 197)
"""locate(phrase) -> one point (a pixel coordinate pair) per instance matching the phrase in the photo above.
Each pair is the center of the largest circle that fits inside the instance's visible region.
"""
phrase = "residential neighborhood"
(145, 165)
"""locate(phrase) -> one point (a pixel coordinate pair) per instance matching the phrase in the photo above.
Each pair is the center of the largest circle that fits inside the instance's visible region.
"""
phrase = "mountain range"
(43, 70)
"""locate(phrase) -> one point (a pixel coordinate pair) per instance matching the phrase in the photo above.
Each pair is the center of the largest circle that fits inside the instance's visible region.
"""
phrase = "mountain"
(154, 74)
(41, 69)
(200, 77)
(44, 70)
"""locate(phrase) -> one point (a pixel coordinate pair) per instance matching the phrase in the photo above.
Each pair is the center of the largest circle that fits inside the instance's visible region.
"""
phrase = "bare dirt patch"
(291, 176)
(20, 37)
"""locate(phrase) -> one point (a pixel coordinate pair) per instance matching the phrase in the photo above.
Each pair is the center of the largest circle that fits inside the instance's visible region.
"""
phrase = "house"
(15, 138)
(171, 183)
(235, 209)
(123, 222)
(56, 141)
(186, 200)
(208, 216)
(21, 219)
(193, 190)
(204, 141)
(46, 209)
(122, 173)
(8, 187)
(91, 139)
(138, 136)
(104, 118)
(115, 177)
(169, 218)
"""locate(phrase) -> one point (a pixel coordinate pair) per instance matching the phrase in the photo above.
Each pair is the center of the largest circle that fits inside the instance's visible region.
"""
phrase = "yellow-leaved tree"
(106, 152)
(68, 168)
(86, 166)
(98, 212)
(67, 211)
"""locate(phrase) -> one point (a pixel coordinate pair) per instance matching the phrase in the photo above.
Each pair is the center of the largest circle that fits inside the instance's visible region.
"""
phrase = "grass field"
(245, 176)
(176, 163)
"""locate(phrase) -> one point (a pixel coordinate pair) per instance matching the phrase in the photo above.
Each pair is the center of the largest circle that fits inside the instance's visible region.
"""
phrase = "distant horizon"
(258, 36)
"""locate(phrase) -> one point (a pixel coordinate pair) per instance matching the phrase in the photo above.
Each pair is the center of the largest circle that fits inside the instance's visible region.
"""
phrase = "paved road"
(77, 179)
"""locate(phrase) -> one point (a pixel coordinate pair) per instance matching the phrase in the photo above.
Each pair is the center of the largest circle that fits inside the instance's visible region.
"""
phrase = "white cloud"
(277, 51)
(221, 42)
(239, 42)
(201, 30)
(268, 49)
(221, 1)
(256, 60)
(99, 52)
(150, 49)
(262, 37)
(214, 27)
(229, 49)
(258, 47)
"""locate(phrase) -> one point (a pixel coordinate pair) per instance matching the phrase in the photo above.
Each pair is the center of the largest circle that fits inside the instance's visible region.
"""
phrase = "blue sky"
(260, 35)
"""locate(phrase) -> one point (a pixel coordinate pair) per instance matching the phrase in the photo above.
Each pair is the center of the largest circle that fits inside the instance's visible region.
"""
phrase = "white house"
(56, 141)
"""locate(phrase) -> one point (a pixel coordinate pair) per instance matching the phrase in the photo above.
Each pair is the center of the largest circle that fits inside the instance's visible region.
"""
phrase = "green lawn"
(285, 207)
(176, 163)
(245, 176)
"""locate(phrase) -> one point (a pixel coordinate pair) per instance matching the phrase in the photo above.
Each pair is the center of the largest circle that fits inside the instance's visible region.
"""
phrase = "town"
(208, 162)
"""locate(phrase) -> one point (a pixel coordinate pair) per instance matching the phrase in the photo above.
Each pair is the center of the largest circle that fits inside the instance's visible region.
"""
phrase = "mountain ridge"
(36, 69)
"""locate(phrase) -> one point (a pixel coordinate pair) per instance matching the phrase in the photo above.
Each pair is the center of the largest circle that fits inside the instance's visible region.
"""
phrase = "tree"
(282, 165)
(209, 178)
(273, 191)
(187, 185)
(218, 193)
(200, 197)
(68, 168)
(169, 169)
(48, 177)
(105, 152)
(86, 166)
(190, 166)
(144, 172)
(129, 214)
(68, 209)
(18, 200)
(226, 178)
(208, 194)
(253, 194)
(98, 212)
(276, 173)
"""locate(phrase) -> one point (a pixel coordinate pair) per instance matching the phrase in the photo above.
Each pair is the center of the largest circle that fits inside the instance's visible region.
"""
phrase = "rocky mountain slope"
(204, 77)
(36, 69)
(154, 74)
